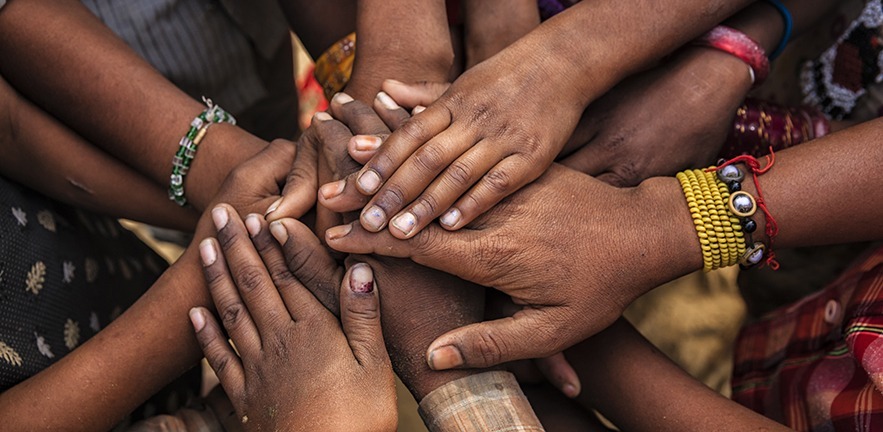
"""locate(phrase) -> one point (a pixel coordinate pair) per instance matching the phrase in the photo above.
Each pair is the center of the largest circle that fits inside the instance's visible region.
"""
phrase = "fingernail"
(207, 252)
(369, 181)
(322, 116)
(387, 101)
(362, 279)
(332, 190)
(197, 319)
(339, 231)
(279, 232)
(570, 391)
(342, 98)
(366, 142)
(220, 217)
(451, 218)
(446, 357)
(405, 222)
(253, 224)
(418, 109)
(273, 206)
(374, 218)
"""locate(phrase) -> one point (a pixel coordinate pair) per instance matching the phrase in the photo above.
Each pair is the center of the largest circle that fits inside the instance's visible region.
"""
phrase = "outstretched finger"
(219, 354)
(490, 343)
(360, 315)
(309, 262)
(357, 116)
(228, 303)
(500, 181)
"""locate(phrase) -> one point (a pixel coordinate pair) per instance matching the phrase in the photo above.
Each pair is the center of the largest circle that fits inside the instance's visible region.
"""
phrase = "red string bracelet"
(772, 228)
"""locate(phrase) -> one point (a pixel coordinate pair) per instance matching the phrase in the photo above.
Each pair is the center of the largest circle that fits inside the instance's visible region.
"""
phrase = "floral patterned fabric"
(64, 275)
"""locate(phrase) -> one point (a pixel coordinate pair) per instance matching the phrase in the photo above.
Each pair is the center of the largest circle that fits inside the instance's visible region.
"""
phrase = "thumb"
(490, 343)
(299, 192)
(411, 95)
(360, 315)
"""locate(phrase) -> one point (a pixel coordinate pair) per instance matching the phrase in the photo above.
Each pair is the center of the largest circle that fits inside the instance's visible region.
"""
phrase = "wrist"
(224, 147)
(722, 74)
(670, 226)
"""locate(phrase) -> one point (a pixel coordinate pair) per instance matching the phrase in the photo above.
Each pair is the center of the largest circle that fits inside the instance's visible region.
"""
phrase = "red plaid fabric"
(817, 365)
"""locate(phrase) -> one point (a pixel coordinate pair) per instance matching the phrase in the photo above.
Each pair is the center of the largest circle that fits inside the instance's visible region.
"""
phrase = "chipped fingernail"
(279, 232)
(332, 190)
(342, 98)
(418, 109)
(451, 218)
(273, 206)
(253, 224)
(374, 218)
(387, 101)
(339, 231)
(362, 279)
(220, 217)
(197, 319)
(322, 116)
(405, 222)
(446, 357)
(369, 182)
(366, 142)
(207, 252)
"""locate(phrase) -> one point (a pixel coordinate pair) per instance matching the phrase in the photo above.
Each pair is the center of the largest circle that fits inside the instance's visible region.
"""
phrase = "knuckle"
(489, 347)
(414, 129)
(626, 174)
(232, 315)
(362, 313)
(458, 173)
(220, 363)
(249, 278)
(427, 204)
(498, 181)
(430, 158)
(393, 197)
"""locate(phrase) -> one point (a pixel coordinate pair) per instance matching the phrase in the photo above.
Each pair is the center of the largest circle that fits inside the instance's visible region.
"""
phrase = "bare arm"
(72, 66)
(620, 370)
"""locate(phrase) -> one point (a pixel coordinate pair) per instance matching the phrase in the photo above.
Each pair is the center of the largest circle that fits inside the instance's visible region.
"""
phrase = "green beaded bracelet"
(188, 145)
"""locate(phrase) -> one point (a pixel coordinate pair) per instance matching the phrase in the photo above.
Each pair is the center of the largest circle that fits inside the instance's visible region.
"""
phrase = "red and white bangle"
(738, 44)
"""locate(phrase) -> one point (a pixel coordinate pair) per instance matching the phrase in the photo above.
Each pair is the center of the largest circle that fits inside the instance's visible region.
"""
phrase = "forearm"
(100, 382)
(54, 161)
(404, 40)
(75, 68)
(491, 26)
(620, 370)
(601, 42)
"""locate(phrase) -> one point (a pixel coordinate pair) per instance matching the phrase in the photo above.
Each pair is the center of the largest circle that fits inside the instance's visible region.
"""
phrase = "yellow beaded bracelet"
(719, 231)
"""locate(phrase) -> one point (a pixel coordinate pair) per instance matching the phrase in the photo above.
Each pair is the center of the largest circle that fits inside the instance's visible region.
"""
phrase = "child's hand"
(497, 128)
(296, 367)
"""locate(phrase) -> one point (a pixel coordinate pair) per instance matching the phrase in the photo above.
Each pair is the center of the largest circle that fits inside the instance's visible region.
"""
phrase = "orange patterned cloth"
(335, 66)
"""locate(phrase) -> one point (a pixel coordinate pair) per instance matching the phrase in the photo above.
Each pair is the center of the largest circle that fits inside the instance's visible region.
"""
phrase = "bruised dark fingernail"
(322, 116)
(366, 142)
(197, 319)
(342, 98)
(207, 252)
(332, 190)
(418, 109)
(369, 181)
(273, 206)
(253, 224)
(387, 101)
(361, 279)
(374, 218)
(451, 218)
(339, 231)
(220, 217)
(405, 222)
(446, 357)
(279, 232)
